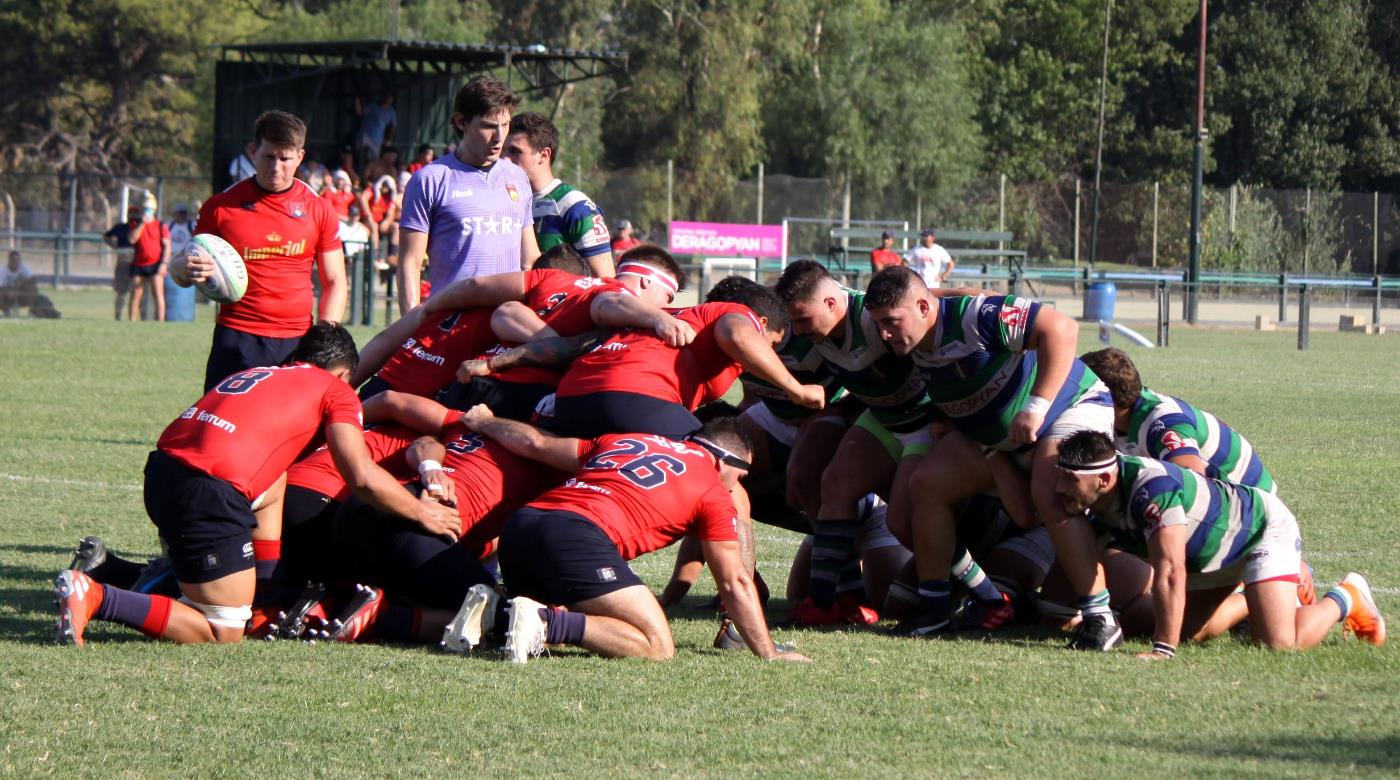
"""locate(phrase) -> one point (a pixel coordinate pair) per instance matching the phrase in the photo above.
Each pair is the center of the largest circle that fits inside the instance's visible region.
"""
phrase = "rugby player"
(469, 212)
(1003, 370)
(630, 494)
(563, 214)
(281, 227)
(205, 477)
(1204, 536)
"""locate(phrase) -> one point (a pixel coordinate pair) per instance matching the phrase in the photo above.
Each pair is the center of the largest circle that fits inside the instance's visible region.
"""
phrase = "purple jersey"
(473, 218)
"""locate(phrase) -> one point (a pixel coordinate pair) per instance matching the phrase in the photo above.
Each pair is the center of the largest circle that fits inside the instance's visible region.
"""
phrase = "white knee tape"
(223, 617)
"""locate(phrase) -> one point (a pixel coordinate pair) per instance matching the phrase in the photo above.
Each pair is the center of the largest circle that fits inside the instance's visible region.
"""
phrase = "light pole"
(1193, 271)
(1098, 153)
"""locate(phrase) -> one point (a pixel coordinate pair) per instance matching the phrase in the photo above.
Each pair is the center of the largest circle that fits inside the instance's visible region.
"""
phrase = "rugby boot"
(1096, 632)
(76, 597)
(728, 637)
(293, 623)
(475, 619)
(807, 613)
(526, 632)
(850, 610)
(91, 553)
(1365, 620)
(356, 621)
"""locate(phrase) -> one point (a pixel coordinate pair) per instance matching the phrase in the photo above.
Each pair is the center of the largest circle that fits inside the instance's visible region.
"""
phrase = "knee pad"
(223, 617)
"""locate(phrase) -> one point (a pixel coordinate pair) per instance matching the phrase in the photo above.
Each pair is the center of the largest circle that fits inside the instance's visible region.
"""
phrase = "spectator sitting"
(383, 203)
(17, 286)
(624, 240)
(386, 165)
(353, 231)
(242, 165)
(425, 155)
(347, 165)
(314, 174)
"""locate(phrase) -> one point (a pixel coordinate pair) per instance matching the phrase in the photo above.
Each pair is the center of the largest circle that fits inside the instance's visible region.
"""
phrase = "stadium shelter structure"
(320, 80)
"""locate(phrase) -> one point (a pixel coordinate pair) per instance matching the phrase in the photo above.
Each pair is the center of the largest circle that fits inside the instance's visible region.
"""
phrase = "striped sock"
(832, 545)
(851, 579)
(267, 561)
(148, 614)
(966, 571)
(1344, 599)
(1096, 604)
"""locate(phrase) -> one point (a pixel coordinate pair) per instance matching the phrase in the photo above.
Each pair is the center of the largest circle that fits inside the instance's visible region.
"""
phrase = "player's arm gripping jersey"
(1225, 521)
(806, 366)
(646, 492)
(980, 373)
(563, 215)
(889, 385)
(253, 425)
(1163, 427)
(387, 447)
(427, 361)
(279, 236)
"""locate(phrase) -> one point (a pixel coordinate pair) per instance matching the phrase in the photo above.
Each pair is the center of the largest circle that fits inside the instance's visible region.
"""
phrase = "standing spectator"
(562, 214)
(181, 231)
(386, 165)
(119, 238)
(150, 242)
(383, 203)
(424, 156)
(17, 286)
(376, 126)
(929, 260)
(884, 256)
(242, 166)
(470, 211)
(280, 227)
(624, 239)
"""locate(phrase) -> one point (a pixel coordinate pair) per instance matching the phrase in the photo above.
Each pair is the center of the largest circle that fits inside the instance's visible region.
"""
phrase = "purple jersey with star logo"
(473, 217)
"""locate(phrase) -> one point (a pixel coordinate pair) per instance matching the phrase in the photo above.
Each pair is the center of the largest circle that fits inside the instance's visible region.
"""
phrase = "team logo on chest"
(297, 210)
(512, 192)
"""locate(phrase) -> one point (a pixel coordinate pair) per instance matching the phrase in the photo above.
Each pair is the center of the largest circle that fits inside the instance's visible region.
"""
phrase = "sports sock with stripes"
(1096, 604)
(851, 579)
(148, 614)
(1344, 598)
(832, 545)
(966, 571)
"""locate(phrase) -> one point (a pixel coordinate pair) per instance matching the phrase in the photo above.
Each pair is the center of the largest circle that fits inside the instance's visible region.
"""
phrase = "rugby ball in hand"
(228, 280)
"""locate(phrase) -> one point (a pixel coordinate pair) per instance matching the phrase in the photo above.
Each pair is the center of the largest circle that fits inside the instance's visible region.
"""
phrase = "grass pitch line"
(73, 482)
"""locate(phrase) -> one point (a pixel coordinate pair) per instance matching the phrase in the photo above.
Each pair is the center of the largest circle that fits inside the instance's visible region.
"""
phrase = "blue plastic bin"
(179, 302)
(1099, 300)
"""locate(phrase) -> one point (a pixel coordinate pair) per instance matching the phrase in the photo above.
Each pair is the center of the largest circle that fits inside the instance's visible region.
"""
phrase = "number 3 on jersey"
(642, 468)
(242, 382)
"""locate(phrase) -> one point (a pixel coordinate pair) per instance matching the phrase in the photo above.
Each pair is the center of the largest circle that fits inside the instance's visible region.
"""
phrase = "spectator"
(929, 260)
(354, 234)
(282, 229)
(119, 238)
(562, 213)
(347, 166)
(17, 286)
(376, 127)
(386, 165)
(315, 174)
(624, 240)
(425, 155)
(470, 212)
(884, 256)
(242, 165)
(181, 231)
(383, 202)
(150, 242)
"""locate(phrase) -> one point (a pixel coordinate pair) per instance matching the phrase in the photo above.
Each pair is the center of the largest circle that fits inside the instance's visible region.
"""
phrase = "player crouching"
(1204, 536)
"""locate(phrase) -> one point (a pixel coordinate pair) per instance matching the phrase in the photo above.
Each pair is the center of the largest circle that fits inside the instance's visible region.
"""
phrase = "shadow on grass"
(1378, 751)
(39, 549)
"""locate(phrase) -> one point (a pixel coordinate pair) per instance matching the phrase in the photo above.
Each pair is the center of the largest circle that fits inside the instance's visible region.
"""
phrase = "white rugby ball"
(229, 279)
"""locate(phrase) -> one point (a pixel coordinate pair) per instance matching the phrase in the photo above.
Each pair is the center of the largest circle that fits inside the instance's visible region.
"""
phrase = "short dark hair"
(760, 300)
(1086, 448)
(562, 257)
(387, 148)
(889, 286)
(538, 130)
(800, 280)
(483, 95)
(726, 432)
(282, 130)
(424, 148)
(328, 345)
(656, 257)
(1116, 369)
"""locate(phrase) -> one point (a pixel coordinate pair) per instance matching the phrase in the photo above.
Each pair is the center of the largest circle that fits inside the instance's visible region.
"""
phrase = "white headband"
(1100, 467)
(647, 272)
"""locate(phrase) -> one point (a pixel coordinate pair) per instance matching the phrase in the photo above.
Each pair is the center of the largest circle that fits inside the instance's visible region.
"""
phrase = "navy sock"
(563, 627)
(398, 624)
(936, 597)
(833, 545)
(966, 570)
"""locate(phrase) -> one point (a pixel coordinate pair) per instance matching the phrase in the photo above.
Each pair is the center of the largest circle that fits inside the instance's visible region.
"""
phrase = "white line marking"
(73, 482)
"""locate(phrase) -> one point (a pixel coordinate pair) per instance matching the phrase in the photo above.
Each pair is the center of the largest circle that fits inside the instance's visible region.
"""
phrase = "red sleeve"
(716, 519)
(205, 222)
(340, 404)
(329, 240)
(535, 277)
(453, 417)
(587, 447)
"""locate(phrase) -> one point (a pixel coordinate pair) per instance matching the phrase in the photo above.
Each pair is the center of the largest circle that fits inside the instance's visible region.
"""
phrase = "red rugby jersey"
(427, 361)
(564, 301)
(388, 445)
(636, 361)
(340, 201)
(279, 235)
(646, 492)
(253, 425)
(491, 482)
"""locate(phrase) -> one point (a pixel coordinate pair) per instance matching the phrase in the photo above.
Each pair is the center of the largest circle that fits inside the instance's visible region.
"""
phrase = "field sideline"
(83, 399)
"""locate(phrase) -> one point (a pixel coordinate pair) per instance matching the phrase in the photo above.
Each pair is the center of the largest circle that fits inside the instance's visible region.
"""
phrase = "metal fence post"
(1282, 298)
(72, 225)
(1164, 308)
(353, 274)
(759, 219)
(1376, 301)
(1304, 312)
(1156, 193)
(670, 197)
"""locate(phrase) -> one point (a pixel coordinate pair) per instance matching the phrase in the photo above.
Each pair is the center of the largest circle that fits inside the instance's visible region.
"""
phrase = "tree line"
(916, 95)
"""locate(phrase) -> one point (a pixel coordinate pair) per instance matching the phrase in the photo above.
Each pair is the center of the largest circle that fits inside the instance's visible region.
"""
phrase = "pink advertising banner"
(724, 239)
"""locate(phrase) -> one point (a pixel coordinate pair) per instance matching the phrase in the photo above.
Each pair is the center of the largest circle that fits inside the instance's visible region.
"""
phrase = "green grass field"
(83, 399)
